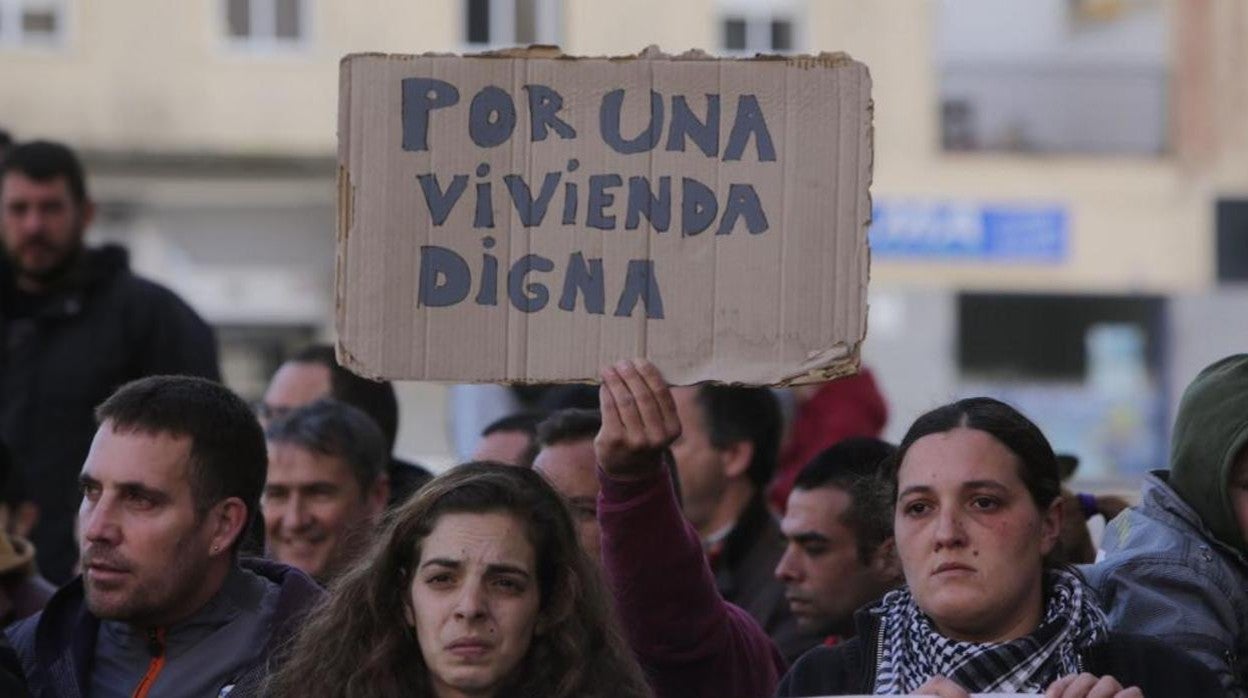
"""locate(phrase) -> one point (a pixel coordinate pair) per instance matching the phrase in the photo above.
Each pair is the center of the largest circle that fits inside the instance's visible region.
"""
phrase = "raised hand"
(639, 419)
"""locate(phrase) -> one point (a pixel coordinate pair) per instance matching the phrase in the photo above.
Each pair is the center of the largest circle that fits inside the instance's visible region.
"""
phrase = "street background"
(1060, 189)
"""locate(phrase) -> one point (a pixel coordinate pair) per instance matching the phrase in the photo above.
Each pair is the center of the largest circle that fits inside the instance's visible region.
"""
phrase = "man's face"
(146, 551)
(570, 467)
(700, 465)
(295, 384)
(314, 510)
(825, 579)
(42, 225)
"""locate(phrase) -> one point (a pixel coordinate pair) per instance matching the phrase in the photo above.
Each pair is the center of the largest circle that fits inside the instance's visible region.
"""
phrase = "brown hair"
(359, 644)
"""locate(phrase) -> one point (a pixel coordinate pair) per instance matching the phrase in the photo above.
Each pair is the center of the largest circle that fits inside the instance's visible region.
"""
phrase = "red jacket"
(843, 408)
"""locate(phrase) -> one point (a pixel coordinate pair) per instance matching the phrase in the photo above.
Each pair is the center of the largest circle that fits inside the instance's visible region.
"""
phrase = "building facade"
(1061, 186)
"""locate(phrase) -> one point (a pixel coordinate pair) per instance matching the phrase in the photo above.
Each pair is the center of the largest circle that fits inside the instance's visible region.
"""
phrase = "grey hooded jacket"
(1165, 575)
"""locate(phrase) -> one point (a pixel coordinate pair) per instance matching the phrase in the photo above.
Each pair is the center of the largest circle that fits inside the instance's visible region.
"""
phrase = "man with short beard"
(163, 606)
(75, 324)
(326, 489)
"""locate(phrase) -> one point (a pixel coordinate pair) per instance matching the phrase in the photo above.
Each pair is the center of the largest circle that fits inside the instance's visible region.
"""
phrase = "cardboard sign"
(524, 216)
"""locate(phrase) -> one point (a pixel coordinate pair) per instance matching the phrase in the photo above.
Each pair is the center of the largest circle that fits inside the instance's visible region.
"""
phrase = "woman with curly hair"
(477, 587)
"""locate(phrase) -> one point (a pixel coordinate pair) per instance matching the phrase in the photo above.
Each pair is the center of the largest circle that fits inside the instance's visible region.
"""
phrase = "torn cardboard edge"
(824, 59)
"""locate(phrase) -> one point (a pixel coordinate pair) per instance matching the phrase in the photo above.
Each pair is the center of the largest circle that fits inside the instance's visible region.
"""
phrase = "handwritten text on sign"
(600, 200)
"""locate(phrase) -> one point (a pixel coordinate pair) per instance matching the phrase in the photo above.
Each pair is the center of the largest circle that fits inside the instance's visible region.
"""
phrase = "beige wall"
(153, 75)
(606, 27)
(1136, 224)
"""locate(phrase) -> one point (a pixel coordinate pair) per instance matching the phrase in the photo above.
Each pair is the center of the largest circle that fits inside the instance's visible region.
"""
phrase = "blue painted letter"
(705, 134)
(444, 277)
(656, 209)
(698, 207)
(421, 96)
(641, 284)
(609, 124)
(532, 211)
(742, 201)
(528, 298)
(441, 202)
(749, 120)
(544, 106)
(492, 117)
(588, 279)
(600, 199)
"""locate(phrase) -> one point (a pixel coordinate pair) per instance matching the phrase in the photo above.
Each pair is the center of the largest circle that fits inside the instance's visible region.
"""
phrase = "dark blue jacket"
(57, 647)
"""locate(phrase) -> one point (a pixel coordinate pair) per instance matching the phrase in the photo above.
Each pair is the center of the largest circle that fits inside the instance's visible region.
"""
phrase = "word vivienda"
(600, 201)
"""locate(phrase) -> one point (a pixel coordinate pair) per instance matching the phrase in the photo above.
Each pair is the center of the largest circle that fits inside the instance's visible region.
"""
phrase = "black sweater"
(1157, 669)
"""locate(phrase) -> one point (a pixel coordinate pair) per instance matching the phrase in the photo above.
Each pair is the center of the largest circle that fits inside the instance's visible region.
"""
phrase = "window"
(759, 34)
(266, 24)
(734, 34)
(747, 27)
(1232, 225)
(1053, 76)
(1087, 369)
(1046, 337)
(500, 23)
(32, 22)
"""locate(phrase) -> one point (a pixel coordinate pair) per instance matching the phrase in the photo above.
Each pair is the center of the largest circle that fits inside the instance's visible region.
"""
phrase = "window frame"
(759, 15)
(14, 38)
(548, 25)
(262, 14)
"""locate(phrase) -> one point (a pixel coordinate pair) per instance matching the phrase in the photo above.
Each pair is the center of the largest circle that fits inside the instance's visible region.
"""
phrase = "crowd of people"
(161, 537)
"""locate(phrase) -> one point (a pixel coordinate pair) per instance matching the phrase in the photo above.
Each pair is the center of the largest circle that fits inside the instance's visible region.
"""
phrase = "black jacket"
(12, 683)
(745, 576)
(1157, 669)
(57, 646)
(103, 327)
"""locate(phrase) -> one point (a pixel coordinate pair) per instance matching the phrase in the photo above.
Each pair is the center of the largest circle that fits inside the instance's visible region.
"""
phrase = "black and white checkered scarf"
(913, 651)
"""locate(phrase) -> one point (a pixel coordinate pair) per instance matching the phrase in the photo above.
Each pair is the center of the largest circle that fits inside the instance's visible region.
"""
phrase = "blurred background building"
(1061, 186)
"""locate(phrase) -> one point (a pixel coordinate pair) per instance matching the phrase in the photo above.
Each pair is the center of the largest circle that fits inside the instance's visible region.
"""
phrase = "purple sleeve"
(689, 640)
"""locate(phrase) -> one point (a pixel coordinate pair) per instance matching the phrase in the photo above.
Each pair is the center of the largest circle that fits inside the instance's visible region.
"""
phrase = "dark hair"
(524, 422)
(228, 457)
(733, 414)
(5, 140)
(358, 643)
(568, 425)
(334, 428)
(854, 465)
(43, 161)
(521, 421)
(375, 398)
(1038, 466)
(1067, 464)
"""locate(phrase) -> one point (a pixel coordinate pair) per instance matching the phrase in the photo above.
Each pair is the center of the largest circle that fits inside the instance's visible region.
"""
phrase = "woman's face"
(970, 538)
(474, 601)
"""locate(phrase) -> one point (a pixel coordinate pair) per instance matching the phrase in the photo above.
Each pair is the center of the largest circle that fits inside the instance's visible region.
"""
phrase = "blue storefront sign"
(967, 231)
